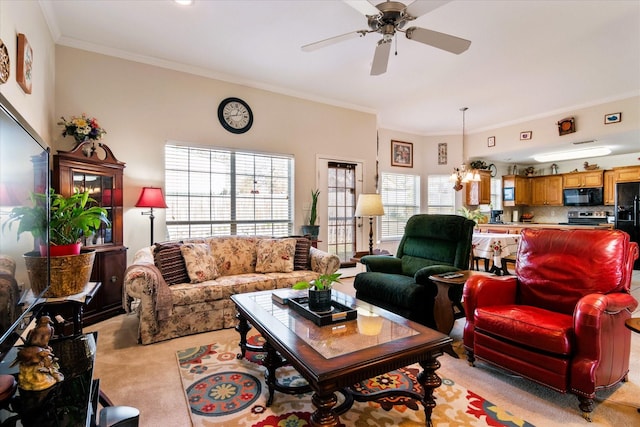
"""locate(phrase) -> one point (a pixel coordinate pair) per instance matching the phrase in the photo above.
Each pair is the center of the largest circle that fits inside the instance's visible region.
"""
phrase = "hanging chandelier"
(463, 175)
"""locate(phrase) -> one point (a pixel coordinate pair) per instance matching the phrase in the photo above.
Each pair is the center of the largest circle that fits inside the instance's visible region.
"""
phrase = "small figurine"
(39, 368)
(42, 333)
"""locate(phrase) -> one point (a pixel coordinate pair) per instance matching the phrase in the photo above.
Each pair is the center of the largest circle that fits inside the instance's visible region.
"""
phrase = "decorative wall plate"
(4, 63)
(566, 126)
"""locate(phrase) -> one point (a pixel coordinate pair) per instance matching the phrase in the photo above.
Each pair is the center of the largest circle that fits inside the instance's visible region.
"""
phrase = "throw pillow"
(201, 266)
(168, 258)
(302, 259)
(275, 255)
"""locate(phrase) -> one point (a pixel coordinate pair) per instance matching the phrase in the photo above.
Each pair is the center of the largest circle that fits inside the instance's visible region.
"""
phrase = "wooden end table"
(336, 356)
(77, 303)
(633, 324)
(445, 311)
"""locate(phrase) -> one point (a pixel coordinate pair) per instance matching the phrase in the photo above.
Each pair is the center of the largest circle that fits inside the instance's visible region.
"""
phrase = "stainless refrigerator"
(628, 211)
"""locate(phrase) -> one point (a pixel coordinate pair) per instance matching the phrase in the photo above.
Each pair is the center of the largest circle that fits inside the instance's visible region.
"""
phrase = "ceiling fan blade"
(442, 41)
(363, 6)
(419, 8)
(381, 58)
(332, 40)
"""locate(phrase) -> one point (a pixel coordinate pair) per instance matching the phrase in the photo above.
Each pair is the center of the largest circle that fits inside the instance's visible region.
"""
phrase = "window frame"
(384, 221)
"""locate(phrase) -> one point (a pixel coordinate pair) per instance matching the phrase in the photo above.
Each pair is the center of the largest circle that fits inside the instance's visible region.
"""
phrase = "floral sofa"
(184, 287)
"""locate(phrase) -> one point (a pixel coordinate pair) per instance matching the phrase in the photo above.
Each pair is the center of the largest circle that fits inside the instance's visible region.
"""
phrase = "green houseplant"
(68, 268)
(70, 218)
(319, 291)
(312, 229)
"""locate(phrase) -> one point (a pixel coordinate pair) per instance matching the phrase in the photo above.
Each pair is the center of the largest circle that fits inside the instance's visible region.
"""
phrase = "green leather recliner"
(432, 244)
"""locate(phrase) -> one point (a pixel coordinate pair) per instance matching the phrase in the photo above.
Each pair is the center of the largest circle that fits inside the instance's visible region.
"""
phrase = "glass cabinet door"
(102, 189)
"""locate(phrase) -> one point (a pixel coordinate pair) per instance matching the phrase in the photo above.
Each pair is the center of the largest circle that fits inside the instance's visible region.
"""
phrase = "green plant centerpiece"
(319, 291)
(70, 218)
(474, 215)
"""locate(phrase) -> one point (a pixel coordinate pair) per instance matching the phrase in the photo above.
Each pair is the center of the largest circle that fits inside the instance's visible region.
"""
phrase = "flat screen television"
(24, 169)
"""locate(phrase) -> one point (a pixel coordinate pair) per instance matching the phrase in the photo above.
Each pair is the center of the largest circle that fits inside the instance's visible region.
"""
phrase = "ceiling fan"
(390, 17)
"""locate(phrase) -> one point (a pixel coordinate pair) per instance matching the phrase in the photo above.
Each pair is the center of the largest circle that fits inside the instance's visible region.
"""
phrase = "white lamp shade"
(369, 205)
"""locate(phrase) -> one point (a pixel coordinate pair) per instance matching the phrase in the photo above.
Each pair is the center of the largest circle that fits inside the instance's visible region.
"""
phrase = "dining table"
(494, 246)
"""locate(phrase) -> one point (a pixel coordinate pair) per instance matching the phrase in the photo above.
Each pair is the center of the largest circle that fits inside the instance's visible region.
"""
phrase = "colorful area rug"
(224, 391)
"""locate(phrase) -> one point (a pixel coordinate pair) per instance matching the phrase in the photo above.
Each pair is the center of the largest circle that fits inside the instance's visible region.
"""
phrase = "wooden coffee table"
(334, 357)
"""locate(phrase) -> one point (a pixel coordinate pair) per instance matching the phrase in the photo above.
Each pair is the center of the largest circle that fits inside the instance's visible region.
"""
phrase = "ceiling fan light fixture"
(572, 154)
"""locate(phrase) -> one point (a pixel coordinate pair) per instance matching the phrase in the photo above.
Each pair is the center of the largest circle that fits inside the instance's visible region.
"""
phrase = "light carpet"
(224, 391)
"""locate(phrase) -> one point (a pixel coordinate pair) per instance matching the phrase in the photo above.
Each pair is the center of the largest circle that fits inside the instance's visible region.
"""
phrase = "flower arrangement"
(82, 128)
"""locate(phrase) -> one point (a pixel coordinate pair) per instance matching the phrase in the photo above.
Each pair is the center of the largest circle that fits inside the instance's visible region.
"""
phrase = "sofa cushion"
(529, 326)
(275, 255)
(234, 254)
(302, 259)
(169, 260)
(201, 266)
(221, 288)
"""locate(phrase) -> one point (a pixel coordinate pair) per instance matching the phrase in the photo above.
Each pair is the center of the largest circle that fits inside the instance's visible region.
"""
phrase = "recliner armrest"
(382, 264)
(483, 291)
(422, 275)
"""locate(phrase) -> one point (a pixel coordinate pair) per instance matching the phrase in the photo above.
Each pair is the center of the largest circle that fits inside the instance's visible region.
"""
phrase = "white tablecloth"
(483, 244)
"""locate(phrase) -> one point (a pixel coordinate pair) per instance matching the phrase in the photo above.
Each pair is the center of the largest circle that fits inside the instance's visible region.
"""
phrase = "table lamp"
(151, 197)
(369, 205)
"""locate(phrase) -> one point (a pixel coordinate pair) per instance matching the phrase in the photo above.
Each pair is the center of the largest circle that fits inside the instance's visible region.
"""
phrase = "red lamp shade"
(151, 197)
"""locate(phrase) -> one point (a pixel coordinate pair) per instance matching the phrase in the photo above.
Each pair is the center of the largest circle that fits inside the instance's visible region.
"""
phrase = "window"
(401, 200)
(441, 197)
(224, 192)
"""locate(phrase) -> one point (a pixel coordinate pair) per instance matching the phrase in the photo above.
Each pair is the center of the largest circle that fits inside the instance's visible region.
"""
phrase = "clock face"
(235, 115)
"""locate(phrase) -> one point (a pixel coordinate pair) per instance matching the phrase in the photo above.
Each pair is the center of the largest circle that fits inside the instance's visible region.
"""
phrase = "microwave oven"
(582, 196)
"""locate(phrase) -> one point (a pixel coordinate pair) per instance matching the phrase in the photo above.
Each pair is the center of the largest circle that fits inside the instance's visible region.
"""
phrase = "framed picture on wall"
(442, 153)
(24, 64)
(401, 154)
(491, 141)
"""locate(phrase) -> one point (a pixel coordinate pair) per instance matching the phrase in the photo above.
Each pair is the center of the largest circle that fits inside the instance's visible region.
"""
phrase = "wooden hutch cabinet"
(92, 166)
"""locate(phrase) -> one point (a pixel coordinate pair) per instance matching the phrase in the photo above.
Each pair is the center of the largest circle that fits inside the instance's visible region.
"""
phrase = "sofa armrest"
(600, 338)
(382, 264)
(145, 282)
(323, 262)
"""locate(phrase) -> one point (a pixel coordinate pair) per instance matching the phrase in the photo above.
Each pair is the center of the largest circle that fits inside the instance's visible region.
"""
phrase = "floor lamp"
(151, 197)
(369, 205)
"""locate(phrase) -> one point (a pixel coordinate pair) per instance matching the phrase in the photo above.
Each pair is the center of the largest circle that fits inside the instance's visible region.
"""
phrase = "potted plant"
(70, 218)
(312, 229)
(319, 291)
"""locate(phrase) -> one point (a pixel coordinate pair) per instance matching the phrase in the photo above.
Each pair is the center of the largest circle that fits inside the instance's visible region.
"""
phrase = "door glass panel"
(100, 189)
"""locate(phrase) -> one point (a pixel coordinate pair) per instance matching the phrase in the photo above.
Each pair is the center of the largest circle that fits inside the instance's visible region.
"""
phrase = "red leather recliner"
(560, 321)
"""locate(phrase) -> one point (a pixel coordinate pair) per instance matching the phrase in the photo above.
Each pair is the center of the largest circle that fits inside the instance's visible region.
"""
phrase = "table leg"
(271, 362)
(77, 319)
(429, 381)
(242, 327)
(324, 416)
(443, 309)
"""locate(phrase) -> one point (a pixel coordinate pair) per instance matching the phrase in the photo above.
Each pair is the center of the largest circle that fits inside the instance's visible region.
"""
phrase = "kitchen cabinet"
(589, 179)
(627, 174)
(521, 190)
(92, 166)
(609, 188)
(479, 192)
(546, 190)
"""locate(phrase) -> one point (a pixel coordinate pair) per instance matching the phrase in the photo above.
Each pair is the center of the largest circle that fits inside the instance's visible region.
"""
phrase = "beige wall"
(38, 107)
(142, 107)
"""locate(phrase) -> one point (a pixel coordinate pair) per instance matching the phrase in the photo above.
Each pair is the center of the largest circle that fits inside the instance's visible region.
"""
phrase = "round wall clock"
(235, 115)
(4, 63)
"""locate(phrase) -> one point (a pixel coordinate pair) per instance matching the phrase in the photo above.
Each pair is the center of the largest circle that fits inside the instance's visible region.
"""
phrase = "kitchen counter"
(516, 227)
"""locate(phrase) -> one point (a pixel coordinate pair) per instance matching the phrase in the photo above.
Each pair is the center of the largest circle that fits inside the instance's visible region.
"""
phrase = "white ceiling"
(527, 59)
